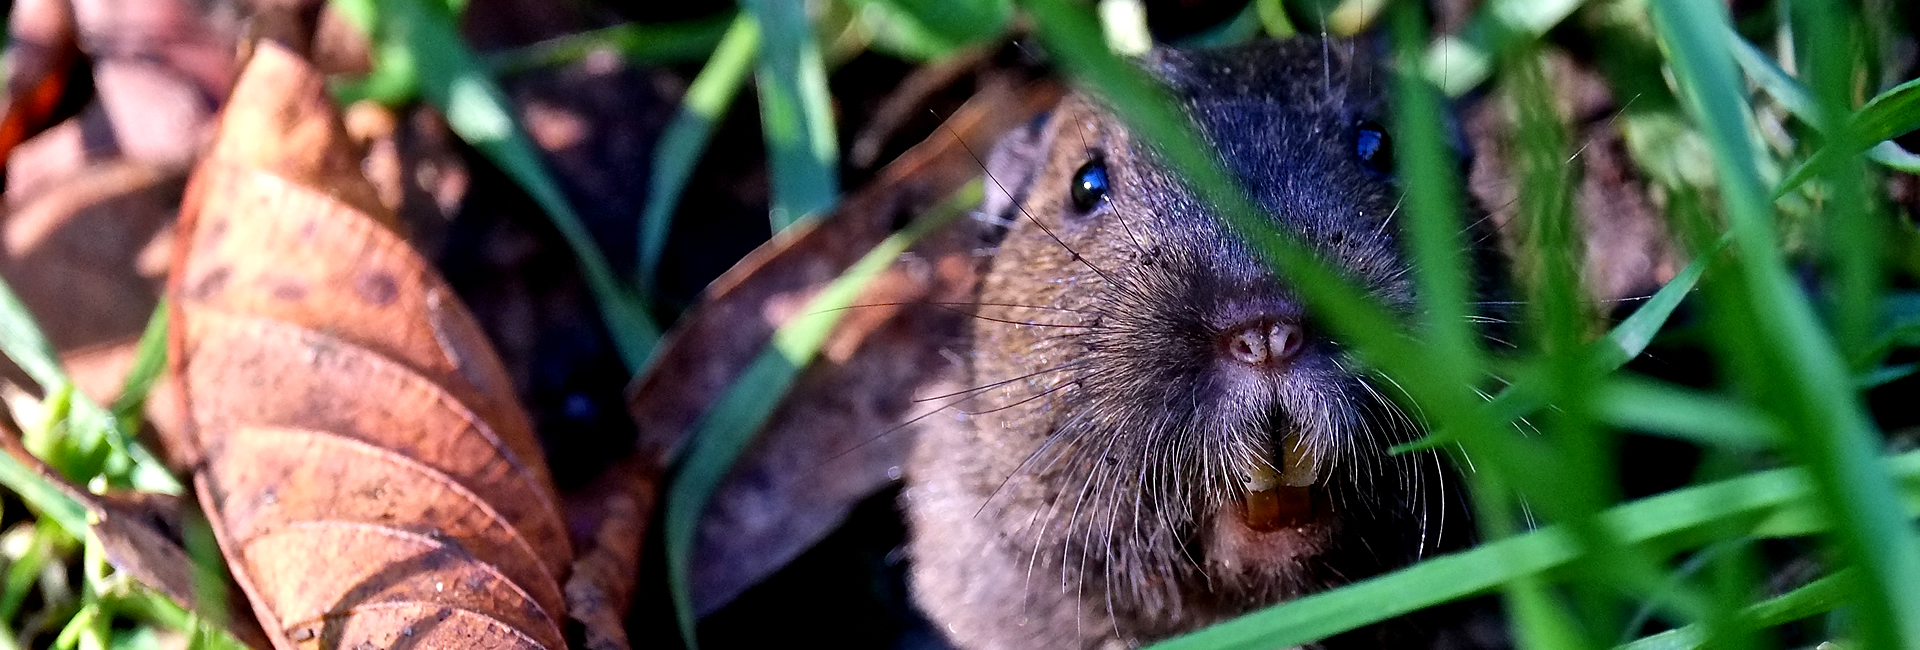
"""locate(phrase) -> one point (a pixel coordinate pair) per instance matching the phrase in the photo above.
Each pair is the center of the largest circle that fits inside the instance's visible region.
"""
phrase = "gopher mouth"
(1280, 498)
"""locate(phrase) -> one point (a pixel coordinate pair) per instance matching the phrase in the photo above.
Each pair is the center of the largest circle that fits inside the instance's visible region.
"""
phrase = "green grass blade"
(1674, 518)
(149, 361)
(640, 44)
(1704, 419)
(1780, 348)
(1621, 344)
(50, 502)
(1460, 62)
(1273, 18)
(1433, 228)
(685, 139)
(796, 114)
(924, 30)
(1852, 236)
(22, 341)
(733, 420)
(1816, 597)
(454, 81)
(1767, 74)
(1889, 114)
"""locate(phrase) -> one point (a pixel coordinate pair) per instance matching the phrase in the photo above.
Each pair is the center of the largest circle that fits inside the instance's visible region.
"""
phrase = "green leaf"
(732, 421)
(1460, 62)
(681, 144)
(149, 360)
(1815, 597)
(796, 114)
(1704, 419)
(1774, 345)
(43, 497)
(453, 80)
(1675, 518)
(130, 463)
(929, 29)
(639, 44)
(1870, 130)
(1888, 115)
(1273, 18)
(23, 342)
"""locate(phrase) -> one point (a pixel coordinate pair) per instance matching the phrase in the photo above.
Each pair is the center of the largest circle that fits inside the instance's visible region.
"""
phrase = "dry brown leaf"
(75, 253)
(610, 517)
(368, 471)
(41, 54)
(826, 447)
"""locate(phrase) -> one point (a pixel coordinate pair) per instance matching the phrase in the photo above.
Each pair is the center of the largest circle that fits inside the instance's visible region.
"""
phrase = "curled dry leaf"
(830, 443)
(41, 54)
(368, 473)
(610, 518)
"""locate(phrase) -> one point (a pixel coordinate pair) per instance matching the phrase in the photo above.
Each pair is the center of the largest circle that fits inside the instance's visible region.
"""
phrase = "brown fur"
(1086, 494)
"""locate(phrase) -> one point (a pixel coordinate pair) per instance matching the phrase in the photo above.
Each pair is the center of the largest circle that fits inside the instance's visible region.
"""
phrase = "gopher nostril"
(1263, 342)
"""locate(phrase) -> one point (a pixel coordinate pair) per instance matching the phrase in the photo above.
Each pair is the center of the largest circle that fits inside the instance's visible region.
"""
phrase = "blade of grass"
(149, 360)
(1705, 419)
(1785, 89)
(796, 113)
(1273, 18)
(24, 570)
(733, 420)
(1674, 518)
(1889, 114)
(685, 139)
(1815, 597)
(1851, 242)
(1625, 341)
(640, 44)
(45, 499)
(1433, 204)
(926, 30)
(22, 341)
(141, 603)
(453, 80)
(1783, 352)
(1460, 62)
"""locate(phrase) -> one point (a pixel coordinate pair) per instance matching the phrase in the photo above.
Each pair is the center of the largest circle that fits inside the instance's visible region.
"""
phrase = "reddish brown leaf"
(369, 474)
(827, 446)
(41, 52)
(611, 518)
(129, 527)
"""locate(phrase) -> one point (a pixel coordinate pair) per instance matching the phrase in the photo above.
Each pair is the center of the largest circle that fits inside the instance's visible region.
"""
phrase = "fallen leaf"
(369, 474)
(159, 68)
(826, 447)
(41, 54)
(610, 517)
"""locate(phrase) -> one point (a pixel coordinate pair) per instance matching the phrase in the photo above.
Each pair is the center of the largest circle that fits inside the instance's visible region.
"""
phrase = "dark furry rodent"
(1120, 475)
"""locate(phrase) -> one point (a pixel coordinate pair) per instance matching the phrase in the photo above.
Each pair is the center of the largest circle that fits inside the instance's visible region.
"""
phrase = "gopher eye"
(1370, 142)
(1089, 186)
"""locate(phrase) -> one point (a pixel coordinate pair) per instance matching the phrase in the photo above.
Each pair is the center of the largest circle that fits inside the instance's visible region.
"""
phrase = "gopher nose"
(1265, 343)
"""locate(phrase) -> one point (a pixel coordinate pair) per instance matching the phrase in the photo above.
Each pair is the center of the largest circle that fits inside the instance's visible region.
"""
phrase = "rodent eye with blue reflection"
(1089, 187)
(1370, 142)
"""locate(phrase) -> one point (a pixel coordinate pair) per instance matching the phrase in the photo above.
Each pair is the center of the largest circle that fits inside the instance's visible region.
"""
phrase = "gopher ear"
(1011, 170)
